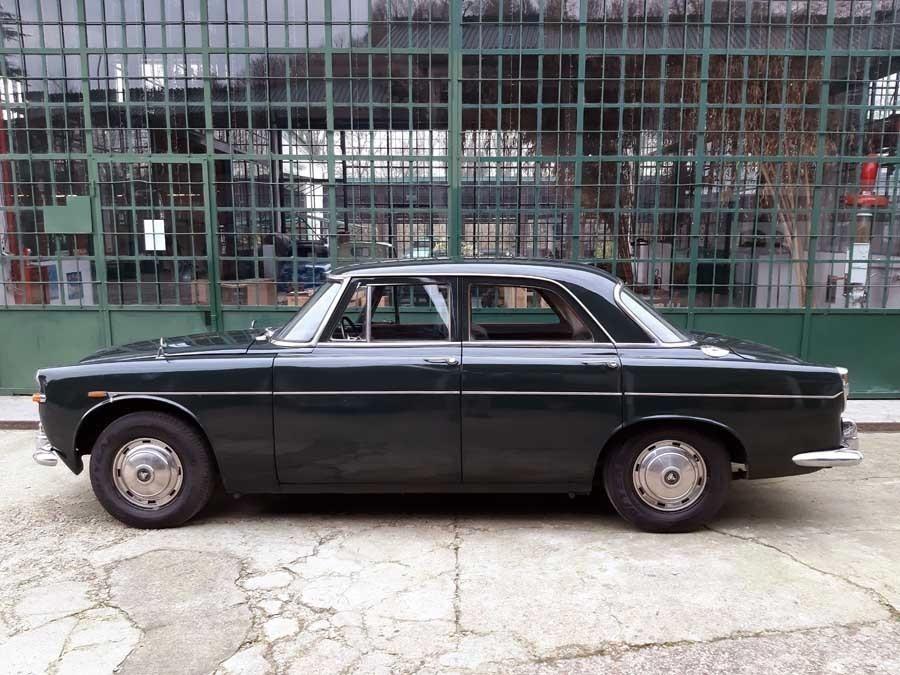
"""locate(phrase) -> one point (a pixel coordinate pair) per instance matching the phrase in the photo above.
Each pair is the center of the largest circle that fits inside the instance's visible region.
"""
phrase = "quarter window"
(395, 313)
(508, 312)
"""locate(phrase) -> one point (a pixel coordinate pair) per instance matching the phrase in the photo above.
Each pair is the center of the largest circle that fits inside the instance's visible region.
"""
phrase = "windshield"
(303, 327)
(648, 317)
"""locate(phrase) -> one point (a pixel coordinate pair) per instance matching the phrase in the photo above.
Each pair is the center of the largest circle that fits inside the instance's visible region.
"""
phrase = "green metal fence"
(171, 166)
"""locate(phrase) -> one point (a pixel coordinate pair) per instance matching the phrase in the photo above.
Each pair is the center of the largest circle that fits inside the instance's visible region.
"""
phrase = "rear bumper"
(846, 455)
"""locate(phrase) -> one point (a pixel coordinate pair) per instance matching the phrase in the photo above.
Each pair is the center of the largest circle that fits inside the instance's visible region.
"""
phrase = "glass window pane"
(658, 327)
(303, 327)
(410, 312)
(523, 313)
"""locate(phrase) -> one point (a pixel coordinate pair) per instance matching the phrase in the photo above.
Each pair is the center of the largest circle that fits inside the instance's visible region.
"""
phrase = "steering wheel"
(348, 325)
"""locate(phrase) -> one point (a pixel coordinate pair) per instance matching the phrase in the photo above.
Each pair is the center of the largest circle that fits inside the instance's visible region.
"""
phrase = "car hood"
(746, 349)
(229, 342)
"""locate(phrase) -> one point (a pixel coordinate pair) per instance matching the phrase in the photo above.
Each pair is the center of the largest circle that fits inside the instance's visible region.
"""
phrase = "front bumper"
(846, 455)
(43, 452)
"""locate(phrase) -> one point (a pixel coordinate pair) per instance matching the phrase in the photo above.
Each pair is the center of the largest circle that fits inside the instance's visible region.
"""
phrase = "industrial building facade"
(177, 166)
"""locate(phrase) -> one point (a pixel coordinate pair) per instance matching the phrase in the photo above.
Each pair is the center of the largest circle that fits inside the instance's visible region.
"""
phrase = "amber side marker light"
(96, 394)
(38, 398)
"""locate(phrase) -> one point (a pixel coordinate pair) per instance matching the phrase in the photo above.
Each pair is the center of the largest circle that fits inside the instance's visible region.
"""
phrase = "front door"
(376, 402)
(541, 386)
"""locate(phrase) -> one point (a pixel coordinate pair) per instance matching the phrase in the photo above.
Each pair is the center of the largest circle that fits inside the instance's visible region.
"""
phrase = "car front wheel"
(667, 479)
(151, 470)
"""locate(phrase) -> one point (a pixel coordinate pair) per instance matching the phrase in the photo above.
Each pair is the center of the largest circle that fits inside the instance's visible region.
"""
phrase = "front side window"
(306, 322)
(405, 312)
(522, 313)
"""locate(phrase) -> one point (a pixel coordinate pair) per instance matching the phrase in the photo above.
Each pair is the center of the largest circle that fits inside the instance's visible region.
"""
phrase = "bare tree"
(768, 107)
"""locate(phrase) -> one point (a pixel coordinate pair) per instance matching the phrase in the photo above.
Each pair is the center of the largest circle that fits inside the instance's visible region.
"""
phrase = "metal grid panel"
(734, 155)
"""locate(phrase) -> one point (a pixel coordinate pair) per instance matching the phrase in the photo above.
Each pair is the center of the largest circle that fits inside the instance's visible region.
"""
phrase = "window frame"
(598, 334)
(282, 336)
(370, 282)
(621, 290)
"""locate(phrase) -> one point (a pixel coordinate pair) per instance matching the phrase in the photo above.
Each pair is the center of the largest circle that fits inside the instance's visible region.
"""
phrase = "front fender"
(115, 400)
(101, 414)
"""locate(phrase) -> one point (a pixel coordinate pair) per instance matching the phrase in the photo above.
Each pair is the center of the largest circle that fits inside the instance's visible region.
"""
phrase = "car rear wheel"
(667, 479)
(152, 470)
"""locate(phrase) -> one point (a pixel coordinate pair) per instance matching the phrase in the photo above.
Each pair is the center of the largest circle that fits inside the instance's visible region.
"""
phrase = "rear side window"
(523, 313)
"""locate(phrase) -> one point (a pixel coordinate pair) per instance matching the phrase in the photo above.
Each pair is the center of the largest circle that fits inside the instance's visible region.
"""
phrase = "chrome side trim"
(388, 343)
(824, 459)
(474, 392)
(581, 344)
(844, 374)
(498, 344)
(687, 393)
(112, 394)
(351, 392)
(486, 392)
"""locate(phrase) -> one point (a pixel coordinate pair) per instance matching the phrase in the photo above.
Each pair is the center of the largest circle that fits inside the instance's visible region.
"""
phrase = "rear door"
(376, 402)
(541, 390)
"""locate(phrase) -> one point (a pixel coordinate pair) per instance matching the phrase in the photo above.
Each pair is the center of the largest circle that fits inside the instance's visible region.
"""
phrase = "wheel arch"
(95, 420)
(732, 442)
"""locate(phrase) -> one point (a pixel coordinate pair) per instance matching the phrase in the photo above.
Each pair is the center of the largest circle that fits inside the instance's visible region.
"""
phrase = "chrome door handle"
(443, 360)
(603, 363)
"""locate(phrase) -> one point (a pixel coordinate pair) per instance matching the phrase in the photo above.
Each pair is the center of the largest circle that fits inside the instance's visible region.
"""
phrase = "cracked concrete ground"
(797, 575)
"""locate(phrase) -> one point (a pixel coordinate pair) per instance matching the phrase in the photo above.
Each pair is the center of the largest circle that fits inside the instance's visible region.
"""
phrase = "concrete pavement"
(797, 575)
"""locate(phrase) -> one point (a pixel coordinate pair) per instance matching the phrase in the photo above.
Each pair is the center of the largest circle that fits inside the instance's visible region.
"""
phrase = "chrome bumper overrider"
(846, 455)
(43, 452)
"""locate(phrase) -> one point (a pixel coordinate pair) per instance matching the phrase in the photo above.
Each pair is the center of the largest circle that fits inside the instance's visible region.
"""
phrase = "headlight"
(845, 380)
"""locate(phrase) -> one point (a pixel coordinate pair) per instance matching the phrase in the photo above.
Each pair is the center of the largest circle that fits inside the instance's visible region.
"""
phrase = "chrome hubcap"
(147, 473)
(669, 475)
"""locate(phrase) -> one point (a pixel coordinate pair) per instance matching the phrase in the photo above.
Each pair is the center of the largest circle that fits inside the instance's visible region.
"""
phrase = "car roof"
(557, 271)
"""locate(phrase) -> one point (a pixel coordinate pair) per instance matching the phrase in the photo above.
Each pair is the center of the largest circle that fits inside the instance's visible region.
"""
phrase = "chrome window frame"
(617, 296)
(368, 340)
(470, 340)
(344, 281)
(346, 278)
(492, 275)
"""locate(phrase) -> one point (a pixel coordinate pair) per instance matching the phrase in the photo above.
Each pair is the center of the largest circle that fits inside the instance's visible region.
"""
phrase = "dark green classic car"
(446, 377)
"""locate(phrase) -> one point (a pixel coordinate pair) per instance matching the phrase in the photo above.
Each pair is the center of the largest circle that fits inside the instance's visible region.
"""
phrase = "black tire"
(620, 480)
(198, 474)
